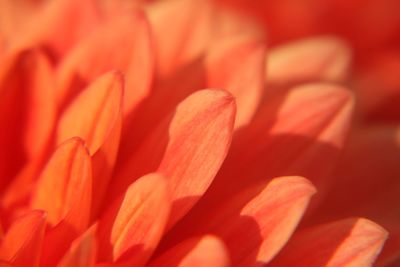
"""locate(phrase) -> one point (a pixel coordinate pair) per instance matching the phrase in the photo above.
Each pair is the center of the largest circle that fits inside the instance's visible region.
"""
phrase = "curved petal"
(196, 252)
(64, 189)
(203, 122)
(237, 65)
(350, 242)
(22, 244)
(130, 229)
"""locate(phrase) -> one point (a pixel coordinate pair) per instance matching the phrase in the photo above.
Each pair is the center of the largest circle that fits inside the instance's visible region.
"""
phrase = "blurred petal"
(22, 243)
(95, 116)
(131, 228)
(237, 65)
(96, 54)
(58, 25)
(315, 59)
(257, 222)
(350, 242)
(180, 148)
(64, 188)
(27, 111)
(196, 252)
(82, 252)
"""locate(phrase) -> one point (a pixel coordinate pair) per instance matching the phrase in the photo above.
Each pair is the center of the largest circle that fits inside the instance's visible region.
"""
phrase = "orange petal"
(96, 55)
(237, 65)
(58, 25)
(64, 188)
(181, 29)
(196, 252)
(27, 111)
(255, 223)
(131, 228)
(377, 147)
(315, 59)
(95, 116)
(202, 123)
(350, 242)
(82, 252)
(284, 141)
(22, 243)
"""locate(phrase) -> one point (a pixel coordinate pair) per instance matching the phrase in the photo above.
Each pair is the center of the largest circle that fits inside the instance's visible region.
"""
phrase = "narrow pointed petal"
(257, 222)
(132, 227)
(64, 188)
(22, 243)
(96, 55)
(350, 242)
(203, 122)
(315, 59)
(237, 65)
(27, 111)
(196, 252)
(96, 117)
(82, 252)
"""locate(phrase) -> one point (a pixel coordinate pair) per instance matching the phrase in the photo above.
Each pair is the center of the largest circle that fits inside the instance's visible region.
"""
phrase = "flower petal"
(323, 58)
(64, 188)
(350, 242)
(96, 117)
(241, 74)
(27, 111)
(196, 252)
(58, 25)
(256, 222)
(22, 243)
(131, 228)
(284, 141)
(96, 55)
(203, 122)
(82, 252)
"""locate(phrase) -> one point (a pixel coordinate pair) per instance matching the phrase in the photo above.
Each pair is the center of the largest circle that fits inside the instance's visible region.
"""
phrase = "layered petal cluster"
(165, 133)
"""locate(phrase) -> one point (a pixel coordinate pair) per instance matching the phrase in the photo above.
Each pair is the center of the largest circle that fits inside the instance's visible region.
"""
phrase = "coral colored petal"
(27, 110)
(96, 117)
(64, 188)
(96, 55)
(237, 65)
(58, 25)
(22, 243)
(181, 31)
(203, 122)
(284, 141)
(255, 223)
(82, 252)
(132, 227)
(322, 58)
(350, 242)
(197, 252)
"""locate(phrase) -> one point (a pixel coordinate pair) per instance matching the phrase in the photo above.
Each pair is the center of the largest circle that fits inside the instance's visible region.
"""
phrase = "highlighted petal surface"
(131, 228)
(350, 242)
(197, 252)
